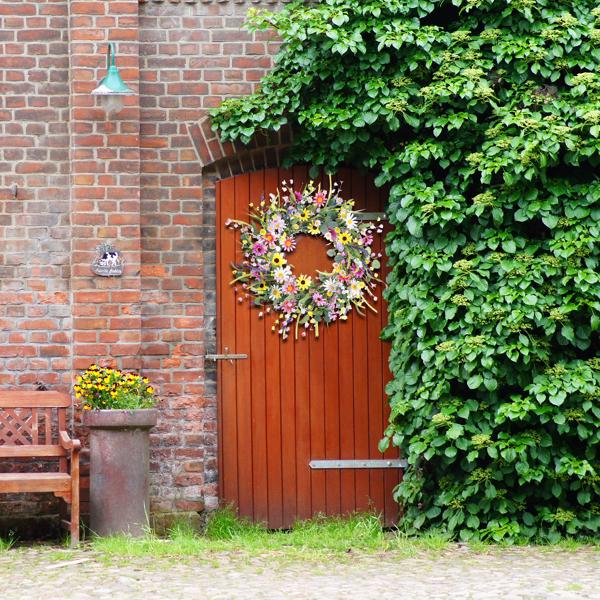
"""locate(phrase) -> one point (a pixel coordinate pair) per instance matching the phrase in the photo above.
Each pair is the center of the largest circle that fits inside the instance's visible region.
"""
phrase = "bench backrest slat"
(48, 426)
(35, 438)
(33, 400)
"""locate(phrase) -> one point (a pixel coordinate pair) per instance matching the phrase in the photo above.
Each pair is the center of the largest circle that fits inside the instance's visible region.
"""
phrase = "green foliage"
(7, 543)
(483, 116)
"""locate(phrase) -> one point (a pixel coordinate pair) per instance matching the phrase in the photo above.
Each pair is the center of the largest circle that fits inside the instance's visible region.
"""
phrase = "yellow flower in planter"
(104, 388)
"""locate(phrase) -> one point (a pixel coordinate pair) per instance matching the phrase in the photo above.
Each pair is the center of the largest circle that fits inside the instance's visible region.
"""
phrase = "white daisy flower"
(350, 221)
(281, 274)
(330, 285)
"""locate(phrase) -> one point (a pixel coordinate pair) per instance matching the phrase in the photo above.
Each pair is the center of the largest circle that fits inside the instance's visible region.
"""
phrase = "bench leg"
(74, 500)
(74, 529)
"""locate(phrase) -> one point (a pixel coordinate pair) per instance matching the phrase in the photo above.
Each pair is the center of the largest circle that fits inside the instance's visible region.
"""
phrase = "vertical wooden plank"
(303, 428)
(332, 417)
(260, 338)
(275, 377)
(317, 422)
(375, 363)
(290, 371)
(305, 509)
(241, 368)
(227, 304)
(360, 369)
(309, 408)
(331, 353)
(346, 389)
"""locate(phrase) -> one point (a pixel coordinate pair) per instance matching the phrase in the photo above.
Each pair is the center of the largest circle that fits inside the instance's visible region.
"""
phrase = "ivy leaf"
(509, 246)
(550, 221)
(455, 431)
(450, 451)
(474, 381)
(473, 522)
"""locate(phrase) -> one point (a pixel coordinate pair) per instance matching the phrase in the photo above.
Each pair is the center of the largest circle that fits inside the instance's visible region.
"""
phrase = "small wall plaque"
(108, 261)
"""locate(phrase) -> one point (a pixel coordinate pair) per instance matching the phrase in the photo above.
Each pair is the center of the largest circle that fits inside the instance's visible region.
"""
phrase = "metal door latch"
(225, 356)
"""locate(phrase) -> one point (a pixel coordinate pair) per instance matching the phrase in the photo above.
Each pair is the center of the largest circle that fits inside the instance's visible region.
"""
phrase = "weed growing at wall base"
(484, 118)
(7, 542)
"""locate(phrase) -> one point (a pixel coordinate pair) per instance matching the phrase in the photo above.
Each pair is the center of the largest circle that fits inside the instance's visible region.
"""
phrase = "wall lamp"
(112, 88)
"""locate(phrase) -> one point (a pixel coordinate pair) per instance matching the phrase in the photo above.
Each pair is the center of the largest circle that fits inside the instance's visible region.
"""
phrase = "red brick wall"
(35, 317)
(135, 178)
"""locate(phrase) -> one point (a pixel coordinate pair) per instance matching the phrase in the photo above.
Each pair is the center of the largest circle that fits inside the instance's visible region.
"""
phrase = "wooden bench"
(28, 421)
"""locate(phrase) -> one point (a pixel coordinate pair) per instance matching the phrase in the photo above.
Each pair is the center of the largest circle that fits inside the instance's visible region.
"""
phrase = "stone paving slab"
(512, 574)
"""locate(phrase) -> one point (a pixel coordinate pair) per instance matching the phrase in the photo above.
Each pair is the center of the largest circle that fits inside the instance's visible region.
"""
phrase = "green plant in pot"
(118, 408)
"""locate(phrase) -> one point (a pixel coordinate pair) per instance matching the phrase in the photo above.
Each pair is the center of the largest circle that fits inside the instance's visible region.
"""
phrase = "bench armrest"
(67, 443)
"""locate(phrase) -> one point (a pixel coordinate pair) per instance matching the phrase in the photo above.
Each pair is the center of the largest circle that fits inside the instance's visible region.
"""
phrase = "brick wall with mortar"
(35, 318)
(136, 178)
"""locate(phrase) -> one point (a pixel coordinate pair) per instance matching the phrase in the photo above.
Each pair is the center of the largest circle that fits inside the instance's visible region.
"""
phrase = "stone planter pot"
(119, 463)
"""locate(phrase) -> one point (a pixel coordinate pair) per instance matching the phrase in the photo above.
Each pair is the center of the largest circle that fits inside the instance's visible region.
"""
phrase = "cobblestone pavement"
(514, 574)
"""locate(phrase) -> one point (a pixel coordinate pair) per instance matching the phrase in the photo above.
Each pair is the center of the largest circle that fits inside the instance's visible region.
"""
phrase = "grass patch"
(227, 533)
(432, 542)
(8, 543)
(315, 538)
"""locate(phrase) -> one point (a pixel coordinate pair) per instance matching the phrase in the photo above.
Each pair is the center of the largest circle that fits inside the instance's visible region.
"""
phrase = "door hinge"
(370, 216)
(389, 463)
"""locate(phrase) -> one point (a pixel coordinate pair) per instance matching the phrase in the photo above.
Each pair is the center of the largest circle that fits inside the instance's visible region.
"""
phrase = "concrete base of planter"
(119, 458)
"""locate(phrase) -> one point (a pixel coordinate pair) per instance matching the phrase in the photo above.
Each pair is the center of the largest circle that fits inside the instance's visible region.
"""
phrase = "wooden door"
(293, 401)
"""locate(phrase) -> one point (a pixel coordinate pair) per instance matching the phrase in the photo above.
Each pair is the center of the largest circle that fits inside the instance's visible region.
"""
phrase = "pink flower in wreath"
(298, 196)
(318, 299)
(259, 248)
(289, 244)
(357, 271)
(320, 199)
(290, 287)
(269, 238)
(288, 306)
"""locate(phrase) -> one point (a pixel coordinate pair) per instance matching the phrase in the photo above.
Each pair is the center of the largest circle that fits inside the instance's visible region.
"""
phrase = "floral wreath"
(301, 301)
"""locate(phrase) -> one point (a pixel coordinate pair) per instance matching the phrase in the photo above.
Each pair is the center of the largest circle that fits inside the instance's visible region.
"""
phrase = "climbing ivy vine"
(483, 116)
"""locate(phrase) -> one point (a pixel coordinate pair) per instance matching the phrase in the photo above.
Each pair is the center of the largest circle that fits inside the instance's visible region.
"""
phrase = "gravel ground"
(44, 573)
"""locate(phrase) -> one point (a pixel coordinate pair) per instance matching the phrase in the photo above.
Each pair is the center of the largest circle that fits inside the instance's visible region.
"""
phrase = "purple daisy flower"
(259, 249)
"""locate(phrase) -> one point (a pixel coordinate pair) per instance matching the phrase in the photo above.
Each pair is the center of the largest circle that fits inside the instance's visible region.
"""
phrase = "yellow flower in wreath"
(303, 282)
(278, 259)
(313, 229)
(305, 215)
